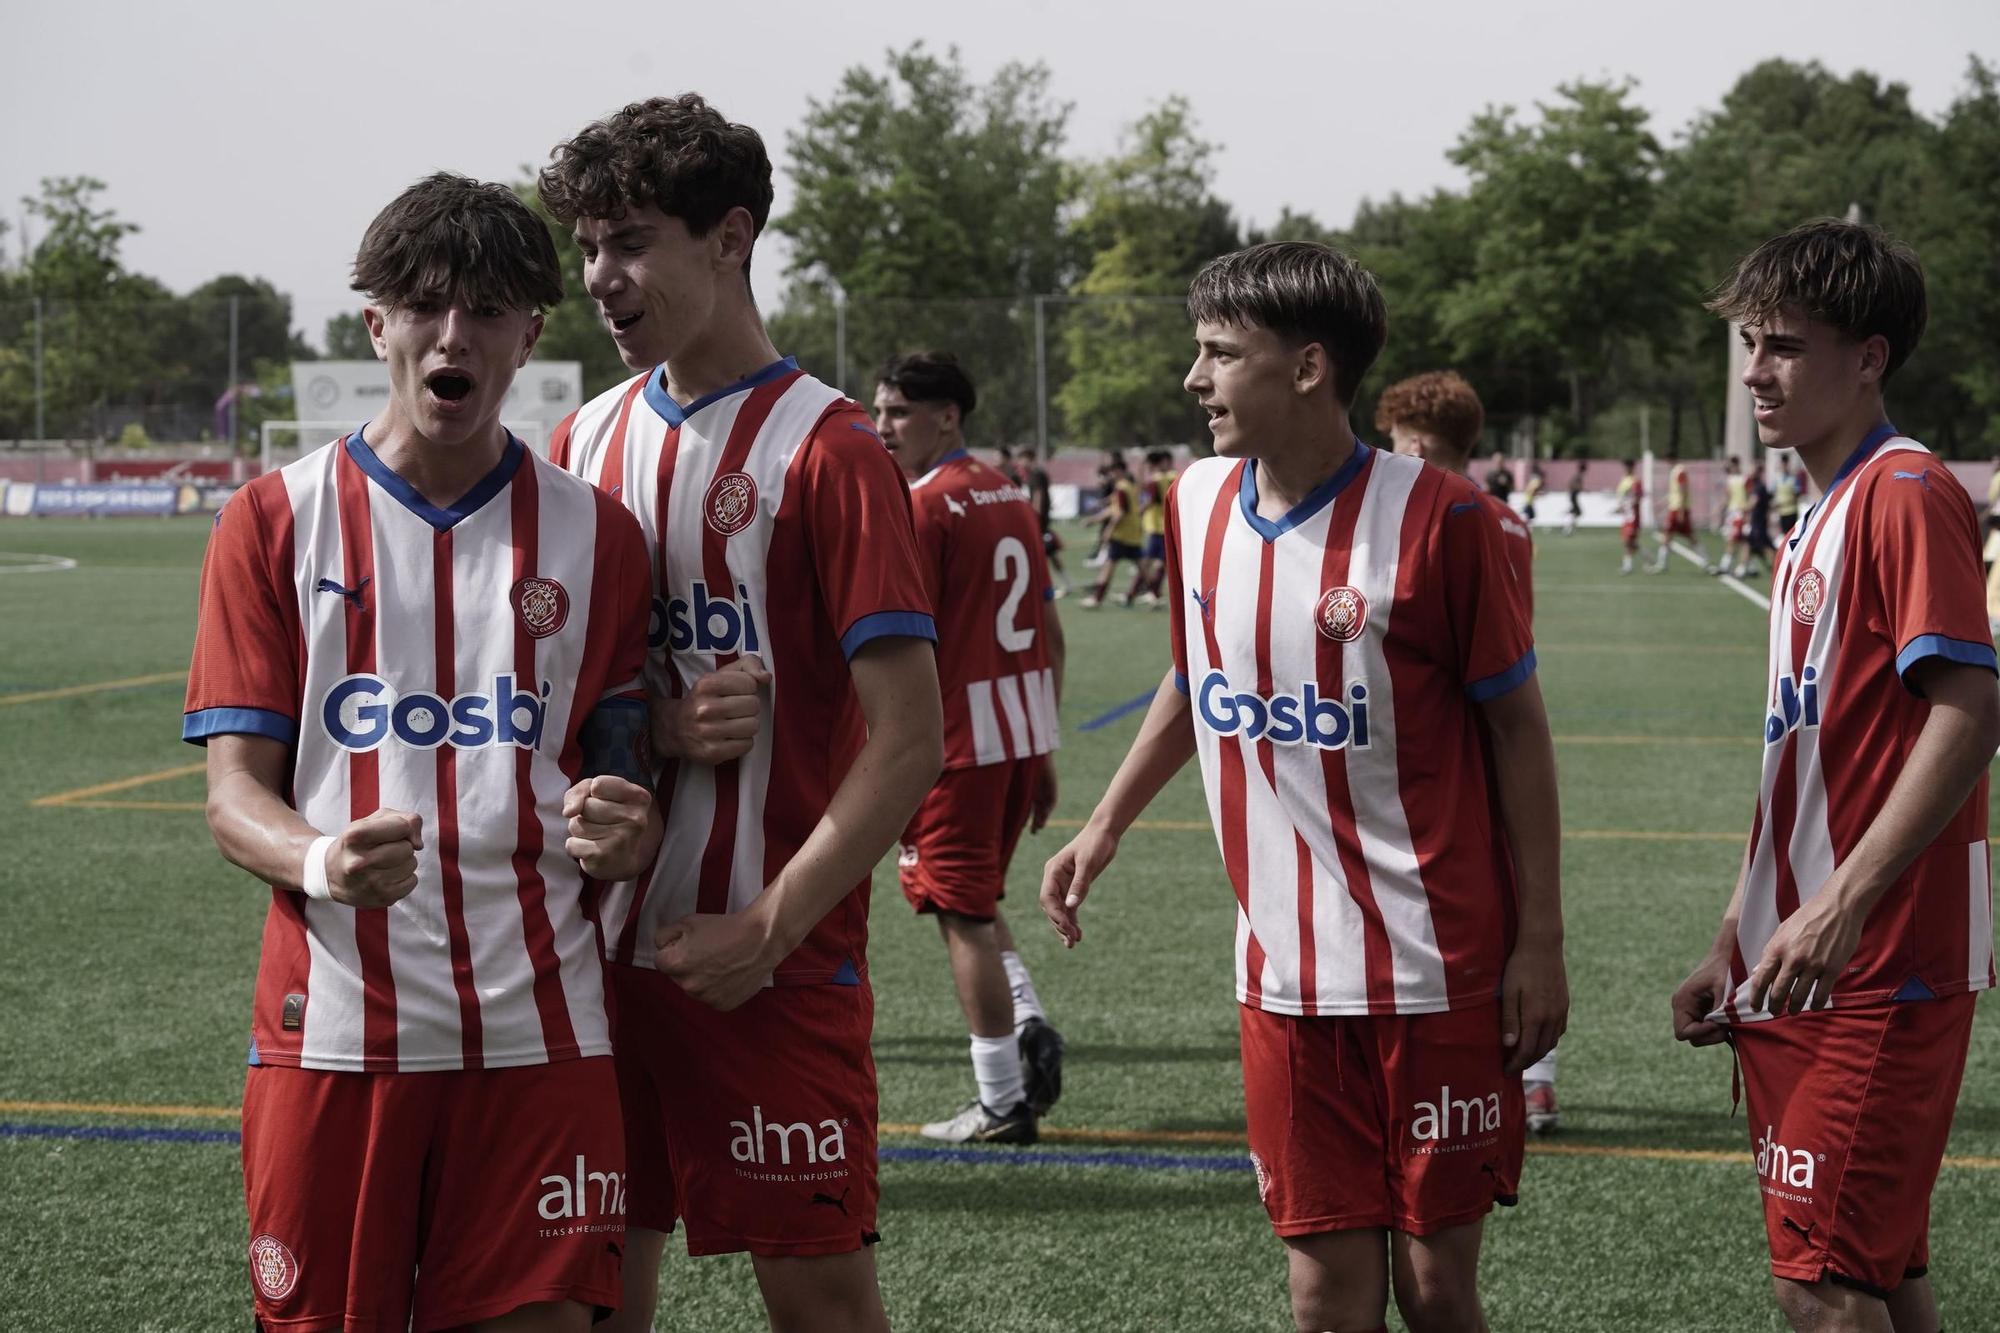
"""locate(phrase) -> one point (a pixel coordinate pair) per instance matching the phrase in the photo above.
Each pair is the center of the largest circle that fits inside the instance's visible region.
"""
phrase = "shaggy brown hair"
(465, 242)
(677, 154)
(1850, 275)
(1439, 403)
(1304, 293)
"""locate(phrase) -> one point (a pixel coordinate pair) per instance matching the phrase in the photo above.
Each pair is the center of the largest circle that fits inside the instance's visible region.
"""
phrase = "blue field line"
(1131, 1161)
(1133, 704)
(125, 1133)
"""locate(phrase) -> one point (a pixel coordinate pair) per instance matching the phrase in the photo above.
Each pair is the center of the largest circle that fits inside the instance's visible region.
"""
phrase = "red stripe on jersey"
(558, 1037)
(451, 878)
(1235, 817)
(1378, 964)
(285, 951)
(720, 854)
(663, 791)
(613, 470)
(371, 925)
(559, 441)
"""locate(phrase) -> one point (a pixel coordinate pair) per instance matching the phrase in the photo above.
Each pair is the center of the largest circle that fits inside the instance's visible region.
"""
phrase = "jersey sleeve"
(857, 512)
(249, 653)
(1176, 590)
(1485, 620)
(559, 442)
(1925, 556)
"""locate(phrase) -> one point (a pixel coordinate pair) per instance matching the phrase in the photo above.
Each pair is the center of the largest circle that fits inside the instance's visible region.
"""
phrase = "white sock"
(1542, 1071)
(996, 1064)
(1027, 1004)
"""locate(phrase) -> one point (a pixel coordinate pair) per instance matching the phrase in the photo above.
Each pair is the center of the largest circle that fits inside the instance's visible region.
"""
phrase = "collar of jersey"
(1873, 440)
(406, 495)
(1322, 495)
(938, 466)
(674, 414)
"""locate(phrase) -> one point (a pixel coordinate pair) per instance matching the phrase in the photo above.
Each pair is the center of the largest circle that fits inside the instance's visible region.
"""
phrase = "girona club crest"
(1808, 596)
(1342, 614)
(273, 1268)
(542, 606)
(731, 503)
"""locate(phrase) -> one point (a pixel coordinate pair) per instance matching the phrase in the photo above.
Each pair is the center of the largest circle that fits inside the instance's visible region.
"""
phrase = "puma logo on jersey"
(1921, 478)
(954, 506)
(347, 594)
(1206, 603)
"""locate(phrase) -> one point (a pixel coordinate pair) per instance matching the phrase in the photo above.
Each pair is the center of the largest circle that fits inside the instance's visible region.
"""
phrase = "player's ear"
(735, 234)
(1312, 371)
(1874, 358)
(377, 322)
(528, 341)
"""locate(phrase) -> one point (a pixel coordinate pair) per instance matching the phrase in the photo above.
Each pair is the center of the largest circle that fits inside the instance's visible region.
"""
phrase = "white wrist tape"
(315, 884)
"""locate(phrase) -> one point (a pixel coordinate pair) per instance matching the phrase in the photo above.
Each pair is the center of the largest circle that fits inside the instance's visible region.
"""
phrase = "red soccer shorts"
(456, 1195)
(959, 843)
(1736, 527)
(1849, 1110)
(1680, 523)
(1629, 532)
(755, 1128)
(1404, 1121)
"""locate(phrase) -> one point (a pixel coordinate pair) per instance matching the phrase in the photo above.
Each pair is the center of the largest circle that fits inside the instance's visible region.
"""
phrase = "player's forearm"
(1162, 748)
(1058, 653)
(1524, 762)
(1955, 746)
(256, 831)
(868, 813)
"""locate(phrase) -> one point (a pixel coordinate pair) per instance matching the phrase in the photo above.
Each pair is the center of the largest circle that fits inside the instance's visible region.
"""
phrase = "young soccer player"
(1124, 533)
(1861, 925)
(1532, 493)
(1575, 500)
(796, 687)
(1436, 416)
(416, 671)
(1785, 497)
(1000, 660)
(1631, 501)
(1735, 520)
(1153, 523)
(1678, 520)
(1343, 623)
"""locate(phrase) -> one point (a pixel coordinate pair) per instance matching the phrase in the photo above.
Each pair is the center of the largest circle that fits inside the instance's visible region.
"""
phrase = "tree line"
(1565, 278)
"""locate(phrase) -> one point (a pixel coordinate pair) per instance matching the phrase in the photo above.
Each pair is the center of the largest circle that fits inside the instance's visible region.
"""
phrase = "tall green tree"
(933, 205)
(346, 337)
(1150, 219)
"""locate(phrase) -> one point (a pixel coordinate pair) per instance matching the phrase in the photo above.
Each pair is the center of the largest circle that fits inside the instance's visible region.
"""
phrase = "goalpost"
(282, 442)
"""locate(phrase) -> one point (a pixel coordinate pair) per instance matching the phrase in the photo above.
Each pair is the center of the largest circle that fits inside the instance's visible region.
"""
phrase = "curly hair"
(677, 154)
(1439, 403)
(455, 239)
(1303, 292)
(1851, 275)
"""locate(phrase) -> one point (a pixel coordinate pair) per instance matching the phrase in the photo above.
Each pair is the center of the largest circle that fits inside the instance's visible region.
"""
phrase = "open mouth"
(1215, 413)
(450, 385)
(620, 323)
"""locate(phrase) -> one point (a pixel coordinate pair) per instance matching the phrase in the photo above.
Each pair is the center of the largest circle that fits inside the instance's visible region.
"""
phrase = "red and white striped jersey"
(981, 548)
(1880, 575)
(437, 661)
(779, 526)
(1333, 659)
(1520, 544)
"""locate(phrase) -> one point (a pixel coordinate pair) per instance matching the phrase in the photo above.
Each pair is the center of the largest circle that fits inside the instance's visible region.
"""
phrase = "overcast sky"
(261, 137)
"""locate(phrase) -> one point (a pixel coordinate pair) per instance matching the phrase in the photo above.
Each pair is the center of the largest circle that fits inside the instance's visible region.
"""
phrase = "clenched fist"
(718, 719)
(614, 827)
(373, 861)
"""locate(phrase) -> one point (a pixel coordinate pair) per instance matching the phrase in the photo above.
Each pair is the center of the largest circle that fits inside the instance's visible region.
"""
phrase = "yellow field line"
(178, 807)
(71, 691)
(1223, 1138)
(82, 794)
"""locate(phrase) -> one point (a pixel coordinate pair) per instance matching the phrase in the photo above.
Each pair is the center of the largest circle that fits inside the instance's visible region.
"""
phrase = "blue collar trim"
(1322, 495)
(1873, 440)
(406, 495)
(674, 414)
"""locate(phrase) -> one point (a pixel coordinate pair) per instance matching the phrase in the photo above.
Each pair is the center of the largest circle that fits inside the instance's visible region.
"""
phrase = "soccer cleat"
(1148, 598)
(1091, 603)
(1541, 1099)
(1041, 1064)
(974, 1123)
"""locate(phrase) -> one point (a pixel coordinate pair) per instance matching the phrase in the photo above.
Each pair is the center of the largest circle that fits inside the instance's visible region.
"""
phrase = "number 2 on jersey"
(1010, 561)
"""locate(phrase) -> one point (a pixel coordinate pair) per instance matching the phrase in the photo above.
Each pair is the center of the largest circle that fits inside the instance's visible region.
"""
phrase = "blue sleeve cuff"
(1180, 681)
(1951, 650)
(197, 727)
(1049, 593)
(884, 625)
(1483, 691)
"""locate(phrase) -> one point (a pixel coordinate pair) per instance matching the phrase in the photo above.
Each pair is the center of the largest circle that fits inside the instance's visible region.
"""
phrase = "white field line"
(1758, 599)
(43, 564)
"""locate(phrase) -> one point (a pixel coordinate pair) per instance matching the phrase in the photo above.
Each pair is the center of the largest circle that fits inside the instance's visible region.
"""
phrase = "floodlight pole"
(1041, 378)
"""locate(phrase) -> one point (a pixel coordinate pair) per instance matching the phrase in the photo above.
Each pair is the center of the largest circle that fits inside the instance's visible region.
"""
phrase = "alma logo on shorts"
(759, 1140)
(1793, 1167)
(272, 1267)
(1448, 1118)
(568, 1198)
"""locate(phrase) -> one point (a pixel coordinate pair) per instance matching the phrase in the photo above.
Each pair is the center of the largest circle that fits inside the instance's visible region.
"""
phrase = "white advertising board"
(355, 391)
